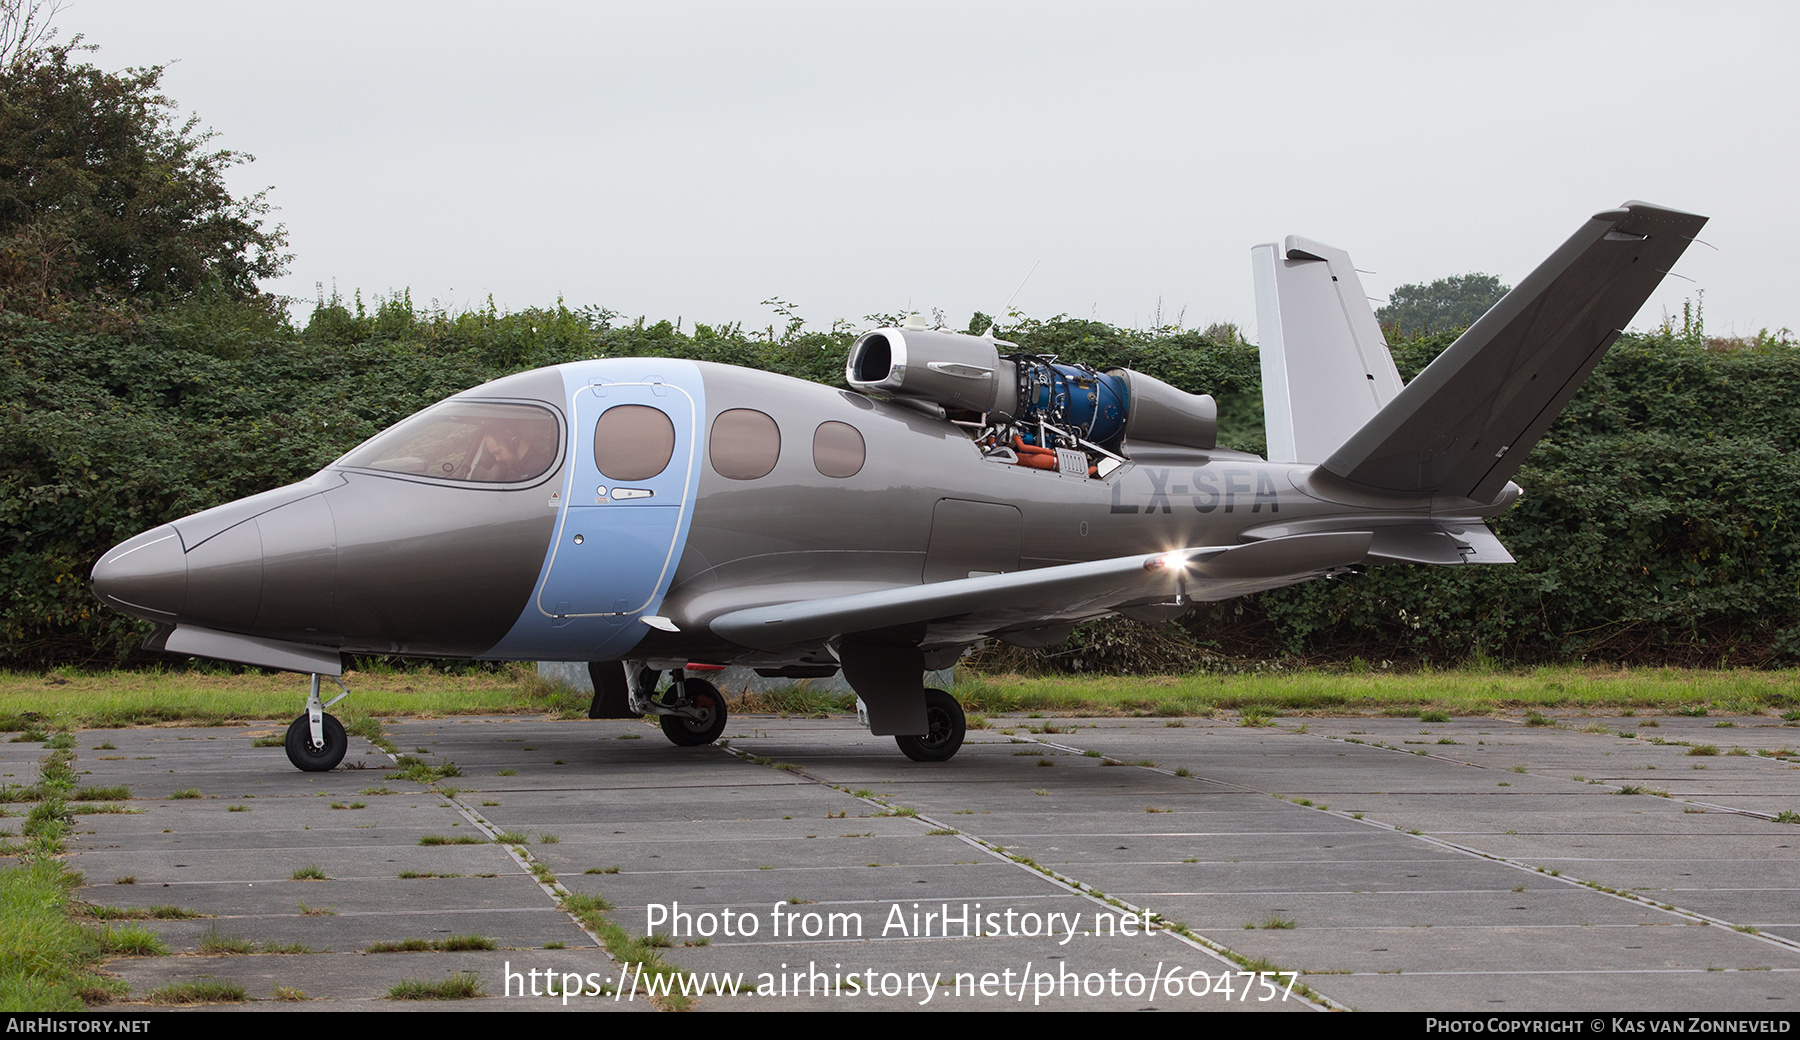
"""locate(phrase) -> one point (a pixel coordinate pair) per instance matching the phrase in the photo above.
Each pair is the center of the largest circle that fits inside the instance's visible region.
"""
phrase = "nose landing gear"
(691, 711)
(316, 741)
(701, 711)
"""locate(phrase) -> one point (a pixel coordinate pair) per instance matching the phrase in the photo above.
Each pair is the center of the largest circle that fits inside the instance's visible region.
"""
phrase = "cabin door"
(632, 459)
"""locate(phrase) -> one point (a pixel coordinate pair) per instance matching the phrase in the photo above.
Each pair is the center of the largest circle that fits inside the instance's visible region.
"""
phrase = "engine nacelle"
(1048, 404)
(1166, 415)
(948, 368)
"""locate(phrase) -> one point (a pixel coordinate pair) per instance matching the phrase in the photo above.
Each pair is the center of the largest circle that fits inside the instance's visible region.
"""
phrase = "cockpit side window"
(486, 442)
(633, 442)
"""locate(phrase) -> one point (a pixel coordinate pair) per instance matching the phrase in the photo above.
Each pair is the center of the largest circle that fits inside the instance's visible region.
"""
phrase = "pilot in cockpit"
(505, 456)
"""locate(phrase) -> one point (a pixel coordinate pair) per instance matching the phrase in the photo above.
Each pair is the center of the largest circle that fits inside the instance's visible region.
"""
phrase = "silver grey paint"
(1326, 369)
(929, 546)
(1464, 425)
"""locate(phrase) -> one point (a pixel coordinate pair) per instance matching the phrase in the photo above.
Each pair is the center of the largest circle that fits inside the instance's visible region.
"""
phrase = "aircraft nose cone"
(145, 576)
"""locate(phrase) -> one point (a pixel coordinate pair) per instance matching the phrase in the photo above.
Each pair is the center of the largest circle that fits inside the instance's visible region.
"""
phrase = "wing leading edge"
(995, 603)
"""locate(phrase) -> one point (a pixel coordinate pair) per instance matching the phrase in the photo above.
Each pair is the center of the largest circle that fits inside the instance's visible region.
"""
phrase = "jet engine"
(1023, 408)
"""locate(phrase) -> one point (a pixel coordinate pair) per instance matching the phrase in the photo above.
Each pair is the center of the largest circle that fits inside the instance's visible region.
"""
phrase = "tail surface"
(1464, 426)
(1326, 370)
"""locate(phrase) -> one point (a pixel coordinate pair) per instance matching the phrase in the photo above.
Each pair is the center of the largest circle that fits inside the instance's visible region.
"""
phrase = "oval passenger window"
(633, 442)
(838, 449)
(745, 444)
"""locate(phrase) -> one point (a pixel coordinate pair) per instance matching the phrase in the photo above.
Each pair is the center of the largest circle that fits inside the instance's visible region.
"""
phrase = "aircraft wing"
(973, 607)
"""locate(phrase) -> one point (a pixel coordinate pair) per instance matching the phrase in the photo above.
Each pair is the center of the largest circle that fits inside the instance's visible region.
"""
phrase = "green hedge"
(1654, 524)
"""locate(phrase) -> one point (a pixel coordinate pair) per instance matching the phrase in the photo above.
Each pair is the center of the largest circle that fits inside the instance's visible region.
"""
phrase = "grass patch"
(207, 992)
(216, 943)
(460, 839)
(1457, 692)
(453, 944)
(466, 942)
(132, 941)
(464, 985)
(46, 958)
(422, 773)
(1703, 749)
(120, 793)
(590, 910)
(220, 698)
(185, 793)
(310, 872)
(139, 913)
(403, 946)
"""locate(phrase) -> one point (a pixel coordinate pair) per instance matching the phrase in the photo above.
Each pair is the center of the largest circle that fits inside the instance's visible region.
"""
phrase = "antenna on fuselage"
(1009, 300)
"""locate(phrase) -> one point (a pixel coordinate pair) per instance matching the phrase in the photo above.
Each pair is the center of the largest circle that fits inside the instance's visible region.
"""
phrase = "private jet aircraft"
(658, 515)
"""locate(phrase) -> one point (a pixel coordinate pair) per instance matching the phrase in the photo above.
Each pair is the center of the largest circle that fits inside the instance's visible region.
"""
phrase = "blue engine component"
(1092, 403)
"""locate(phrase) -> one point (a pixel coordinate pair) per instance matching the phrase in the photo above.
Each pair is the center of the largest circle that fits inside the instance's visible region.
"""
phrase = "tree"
(1448, 303)
(105, 194)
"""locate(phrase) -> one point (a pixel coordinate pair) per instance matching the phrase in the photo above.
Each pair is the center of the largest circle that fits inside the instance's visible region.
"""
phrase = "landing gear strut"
(692, 711)
(315, 741)
(704, 718)
(944, 737)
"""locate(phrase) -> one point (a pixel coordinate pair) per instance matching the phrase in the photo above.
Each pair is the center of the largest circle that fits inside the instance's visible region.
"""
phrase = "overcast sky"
(694, 159)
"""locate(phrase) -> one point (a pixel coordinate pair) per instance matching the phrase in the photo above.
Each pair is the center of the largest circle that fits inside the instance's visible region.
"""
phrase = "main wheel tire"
(944, 734)
(305, 756)
(695, 732)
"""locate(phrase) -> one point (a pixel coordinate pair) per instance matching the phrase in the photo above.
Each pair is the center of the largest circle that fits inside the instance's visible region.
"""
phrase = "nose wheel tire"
(944, 734)
(316, 759)
(709, 704)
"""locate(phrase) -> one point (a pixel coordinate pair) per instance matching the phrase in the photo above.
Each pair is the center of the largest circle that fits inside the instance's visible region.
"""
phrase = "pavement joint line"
(1772, 940)
(1623, 780)
(1642, 901)
(1217, 951)
(520, 856)
(523, 858)
(391, 913)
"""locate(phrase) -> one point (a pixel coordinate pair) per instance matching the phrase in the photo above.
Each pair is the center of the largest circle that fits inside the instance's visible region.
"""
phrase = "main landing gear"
(944, 737)
(315, 741)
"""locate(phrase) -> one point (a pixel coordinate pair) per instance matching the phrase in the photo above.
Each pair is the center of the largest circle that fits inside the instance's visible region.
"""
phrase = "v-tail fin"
(1464, 426)
(1326, 370)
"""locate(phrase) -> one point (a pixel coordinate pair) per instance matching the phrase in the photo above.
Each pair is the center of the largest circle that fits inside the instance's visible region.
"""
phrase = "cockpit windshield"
(486, 442)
